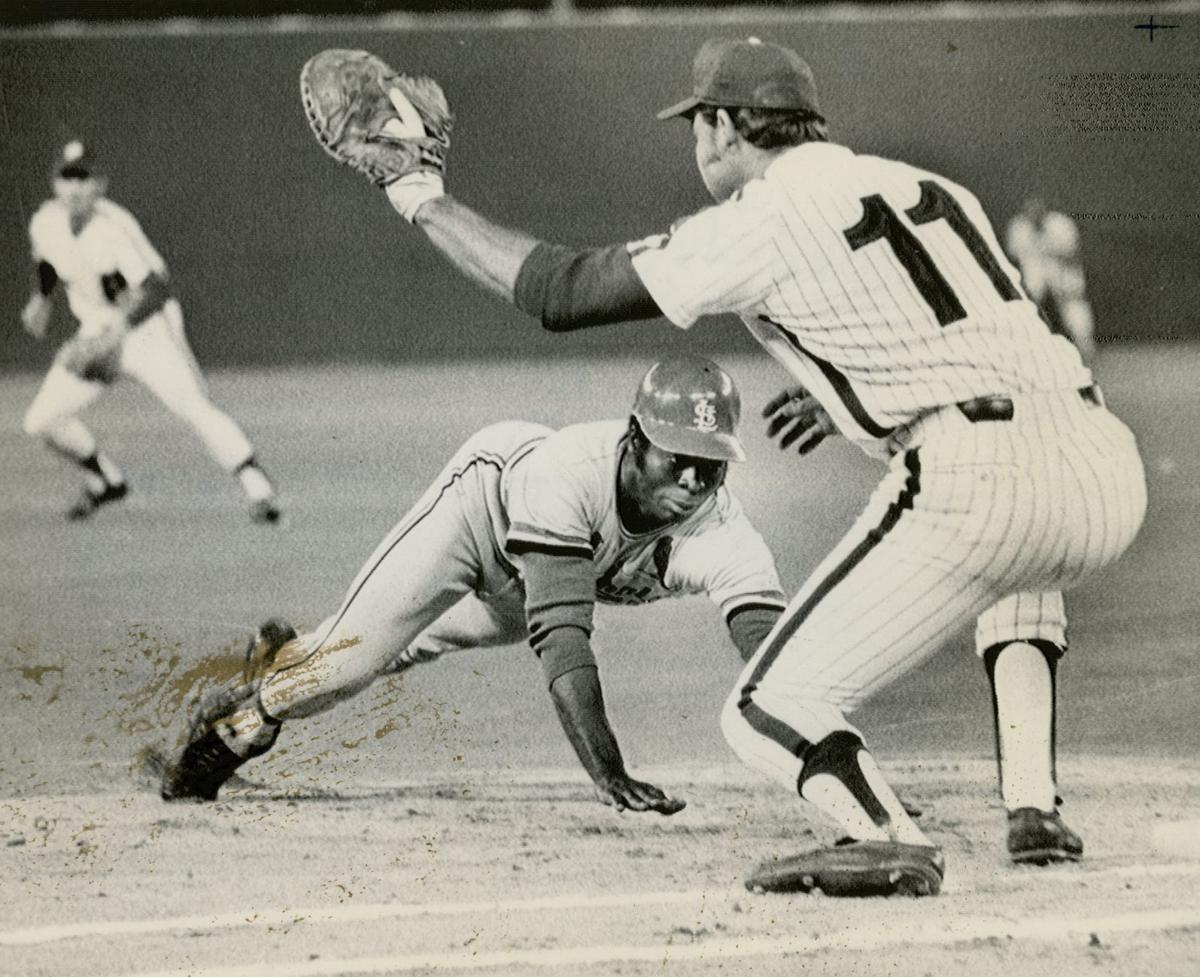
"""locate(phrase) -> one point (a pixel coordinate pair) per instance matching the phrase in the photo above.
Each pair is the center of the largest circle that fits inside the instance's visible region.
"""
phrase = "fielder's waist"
(1002, 408)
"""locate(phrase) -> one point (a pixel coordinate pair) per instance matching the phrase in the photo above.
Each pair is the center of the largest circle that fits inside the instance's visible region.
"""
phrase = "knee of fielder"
(754, 748)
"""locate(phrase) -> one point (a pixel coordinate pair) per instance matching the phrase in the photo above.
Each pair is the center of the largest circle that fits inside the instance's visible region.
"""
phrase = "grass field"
(100, 621)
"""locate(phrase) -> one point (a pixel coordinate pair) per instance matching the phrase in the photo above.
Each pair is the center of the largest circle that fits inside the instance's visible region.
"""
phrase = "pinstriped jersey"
(110, 243)
(562, 498)
(879, 285)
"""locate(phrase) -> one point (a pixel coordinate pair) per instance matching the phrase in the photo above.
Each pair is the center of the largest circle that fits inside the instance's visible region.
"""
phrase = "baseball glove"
(384, 125)
(95, 357)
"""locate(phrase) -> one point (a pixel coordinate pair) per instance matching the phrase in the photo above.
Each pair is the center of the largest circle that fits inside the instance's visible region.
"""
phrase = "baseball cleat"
(90, 501)
(206, 762)
(856, 869)
(265, 511)
(1040, 838)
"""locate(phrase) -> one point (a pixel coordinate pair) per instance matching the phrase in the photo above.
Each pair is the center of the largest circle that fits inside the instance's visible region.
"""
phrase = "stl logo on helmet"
(704, 415)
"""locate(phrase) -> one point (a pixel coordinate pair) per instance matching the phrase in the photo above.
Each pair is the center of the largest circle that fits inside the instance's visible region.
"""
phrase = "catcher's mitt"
(383, 124)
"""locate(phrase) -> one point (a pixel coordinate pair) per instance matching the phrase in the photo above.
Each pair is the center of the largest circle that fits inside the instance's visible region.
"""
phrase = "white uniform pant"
(991, 519)
(156, 354)
(435, 584)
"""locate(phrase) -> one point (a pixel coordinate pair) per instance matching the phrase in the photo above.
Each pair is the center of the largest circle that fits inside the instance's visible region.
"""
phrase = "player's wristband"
(410, 193)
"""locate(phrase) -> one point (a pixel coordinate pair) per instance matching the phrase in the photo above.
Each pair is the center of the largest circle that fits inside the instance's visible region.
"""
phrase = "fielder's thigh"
(1103, 492)
(895, 588)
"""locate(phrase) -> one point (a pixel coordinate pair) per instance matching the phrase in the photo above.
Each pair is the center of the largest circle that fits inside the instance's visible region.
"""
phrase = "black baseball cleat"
(206, 762)
(90, 501)
(266, 512)
(855, 869)
(1040, 838)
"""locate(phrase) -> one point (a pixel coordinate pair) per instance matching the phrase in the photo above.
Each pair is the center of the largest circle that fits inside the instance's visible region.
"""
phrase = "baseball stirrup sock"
(841, 778)
(1023, 678)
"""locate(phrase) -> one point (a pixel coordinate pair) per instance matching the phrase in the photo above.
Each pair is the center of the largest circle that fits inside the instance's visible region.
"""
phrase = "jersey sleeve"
(721, 259)
(136, 258)
(731, 563)
(548, 508)
(549, 541)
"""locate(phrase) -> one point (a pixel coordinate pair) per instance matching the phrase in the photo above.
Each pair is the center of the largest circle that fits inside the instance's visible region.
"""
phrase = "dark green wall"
(279, 255)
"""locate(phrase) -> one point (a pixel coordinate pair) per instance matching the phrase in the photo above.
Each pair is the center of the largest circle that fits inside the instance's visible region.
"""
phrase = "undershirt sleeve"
(47, 277)
(559, 600)
(568, 288)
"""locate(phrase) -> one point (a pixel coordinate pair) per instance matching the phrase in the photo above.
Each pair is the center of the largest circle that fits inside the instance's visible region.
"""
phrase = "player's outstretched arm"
(395, 129)
(35, 316)
(488, 254)
(580, 704)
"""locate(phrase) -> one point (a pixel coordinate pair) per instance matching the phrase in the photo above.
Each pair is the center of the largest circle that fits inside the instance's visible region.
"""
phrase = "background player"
(129, 325)
(524, 529)
(883, 289)
(1045, 246)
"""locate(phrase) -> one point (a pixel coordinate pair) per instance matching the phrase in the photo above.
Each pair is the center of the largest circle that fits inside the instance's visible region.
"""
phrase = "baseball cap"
(690, 406)
(75, 160)
(751, 74)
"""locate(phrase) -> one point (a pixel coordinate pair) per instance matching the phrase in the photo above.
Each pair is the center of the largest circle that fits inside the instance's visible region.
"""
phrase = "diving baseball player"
(1045, 246)
(129, 325)
(517, 538)
(882, 288)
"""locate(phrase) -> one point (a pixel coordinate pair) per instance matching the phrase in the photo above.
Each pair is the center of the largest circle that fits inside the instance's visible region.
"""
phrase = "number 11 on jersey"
(880, 222)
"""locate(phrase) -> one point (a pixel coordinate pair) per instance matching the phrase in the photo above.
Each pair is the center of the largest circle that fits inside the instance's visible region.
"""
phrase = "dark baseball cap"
(75, 160)
(750, 74)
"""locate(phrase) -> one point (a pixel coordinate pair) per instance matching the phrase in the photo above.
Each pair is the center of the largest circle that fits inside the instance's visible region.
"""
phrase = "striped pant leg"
(421, 569)
(907, 575)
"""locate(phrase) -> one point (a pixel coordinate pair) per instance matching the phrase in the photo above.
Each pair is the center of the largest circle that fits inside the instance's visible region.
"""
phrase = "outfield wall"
(281, 256)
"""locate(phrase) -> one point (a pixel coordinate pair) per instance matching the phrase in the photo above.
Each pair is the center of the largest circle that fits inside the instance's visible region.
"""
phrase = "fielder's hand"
(795, 415)
(35, 317)
(392, 128)
(625, 793)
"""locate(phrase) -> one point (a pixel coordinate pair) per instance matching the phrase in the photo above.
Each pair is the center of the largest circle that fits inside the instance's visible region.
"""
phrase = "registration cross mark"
(1150, 27)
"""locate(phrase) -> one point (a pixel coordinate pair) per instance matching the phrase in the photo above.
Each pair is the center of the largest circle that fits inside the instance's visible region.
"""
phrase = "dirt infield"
(440, 825)
(519, 873)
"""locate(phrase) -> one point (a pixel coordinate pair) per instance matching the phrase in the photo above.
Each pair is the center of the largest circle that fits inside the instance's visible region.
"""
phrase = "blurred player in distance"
(883, 290)
(1044, 244)
(117, 288)
(524, 530)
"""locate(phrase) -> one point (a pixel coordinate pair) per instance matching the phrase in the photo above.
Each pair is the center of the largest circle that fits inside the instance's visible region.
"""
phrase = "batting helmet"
(689, 406)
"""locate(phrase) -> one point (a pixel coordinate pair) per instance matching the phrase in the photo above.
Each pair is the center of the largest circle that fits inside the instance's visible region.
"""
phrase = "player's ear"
(726, 128)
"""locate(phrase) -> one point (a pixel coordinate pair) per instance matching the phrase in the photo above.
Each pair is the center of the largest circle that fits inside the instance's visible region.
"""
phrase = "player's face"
(79, 196)
(667, 487)
(714, 159)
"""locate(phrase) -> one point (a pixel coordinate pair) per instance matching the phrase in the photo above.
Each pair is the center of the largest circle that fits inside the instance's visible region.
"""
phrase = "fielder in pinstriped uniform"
(129, 325)
(517, 538)
(883, 290)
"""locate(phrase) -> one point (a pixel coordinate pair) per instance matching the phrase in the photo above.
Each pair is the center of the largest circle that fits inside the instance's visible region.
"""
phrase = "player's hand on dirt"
(794, 415)
(625, 793)
(35, 317)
